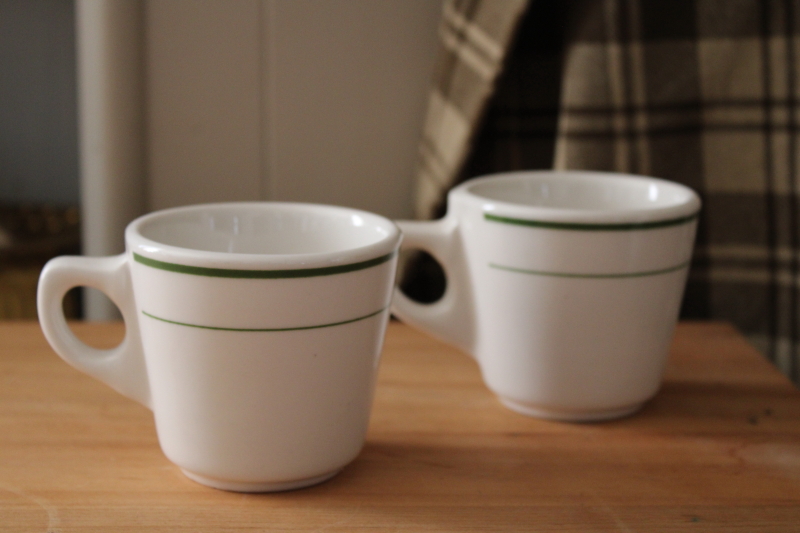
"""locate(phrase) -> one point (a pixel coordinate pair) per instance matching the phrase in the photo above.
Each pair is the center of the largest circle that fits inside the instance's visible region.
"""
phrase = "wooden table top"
(718, 449)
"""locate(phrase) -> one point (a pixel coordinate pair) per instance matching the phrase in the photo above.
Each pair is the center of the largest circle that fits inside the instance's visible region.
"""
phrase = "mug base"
(240, 486)
(570, 416)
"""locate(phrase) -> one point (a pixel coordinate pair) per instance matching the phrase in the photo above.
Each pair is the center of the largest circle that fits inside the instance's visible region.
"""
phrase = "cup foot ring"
(568, 415)
(240, 486)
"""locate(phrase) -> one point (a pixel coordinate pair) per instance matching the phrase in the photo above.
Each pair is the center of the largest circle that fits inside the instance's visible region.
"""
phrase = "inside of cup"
(583, 191)
(275, 229)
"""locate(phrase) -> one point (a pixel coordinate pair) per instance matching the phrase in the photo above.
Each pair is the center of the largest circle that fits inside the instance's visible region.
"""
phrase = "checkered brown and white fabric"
(703, 92)
(474, 37)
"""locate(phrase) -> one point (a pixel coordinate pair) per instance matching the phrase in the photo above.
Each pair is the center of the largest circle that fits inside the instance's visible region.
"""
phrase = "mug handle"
(122, 368)
(451, 318)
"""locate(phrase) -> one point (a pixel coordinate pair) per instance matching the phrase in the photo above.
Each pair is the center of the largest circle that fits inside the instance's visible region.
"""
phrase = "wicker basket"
(31, 235)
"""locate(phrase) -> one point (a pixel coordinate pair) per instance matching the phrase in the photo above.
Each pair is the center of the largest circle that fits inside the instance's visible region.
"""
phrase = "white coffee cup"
(253, 332)
(564, 286)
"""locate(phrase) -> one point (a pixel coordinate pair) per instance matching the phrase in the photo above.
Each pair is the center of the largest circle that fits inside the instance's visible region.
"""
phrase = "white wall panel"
(348, 85)
(203, 101)
(111, 134)
(302, 100)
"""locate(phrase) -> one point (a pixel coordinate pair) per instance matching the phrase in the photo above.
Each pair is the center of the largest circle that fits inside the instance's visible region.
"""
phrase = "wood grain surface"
(718, 449)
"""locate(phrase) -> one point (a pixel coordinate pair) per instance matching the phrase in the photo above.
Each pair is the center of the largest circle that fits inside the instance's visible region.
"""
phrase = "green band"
(592, 276)
(577, 226)
(299, 328)
(261, 274)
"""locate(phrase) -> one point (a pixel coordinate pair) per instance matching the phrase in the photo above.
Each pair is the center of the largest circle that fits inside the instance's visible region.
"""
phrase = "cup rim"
(138, 244)
(687, 209)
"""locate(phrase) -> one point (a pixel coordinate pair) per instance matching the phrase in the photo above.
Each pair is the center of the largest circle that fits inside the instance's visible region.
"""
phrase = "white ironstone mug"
(564, 286)
(253, 332)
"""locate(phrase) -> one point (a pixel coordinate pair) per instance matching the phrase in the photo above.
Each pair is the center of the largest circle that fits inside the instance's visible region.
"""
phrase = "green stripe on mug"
(296, 328)
(641, 274)
(579, 226)
(261, 274)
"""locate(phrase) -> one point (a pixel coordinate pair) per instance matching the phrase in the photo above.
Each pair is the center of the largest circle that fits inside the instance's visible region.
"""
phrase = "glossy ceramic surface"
(565, 286)
(254, 333)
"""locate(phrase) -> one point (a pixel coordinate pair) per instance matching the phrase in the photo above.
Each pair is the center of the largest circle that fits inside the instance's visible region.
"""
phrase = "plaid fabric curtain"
(703, 92)
(474, 38)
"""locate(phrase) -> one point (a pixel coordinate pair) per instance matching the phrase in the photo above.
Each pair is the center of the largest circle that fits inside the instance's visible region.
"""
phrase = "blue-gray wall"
(38, 137)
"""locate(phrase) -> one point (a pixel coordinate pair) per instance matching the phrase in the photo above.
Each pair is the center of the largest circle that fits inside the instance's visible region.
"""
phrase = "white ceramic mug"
(564, 286)
(253, 332)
